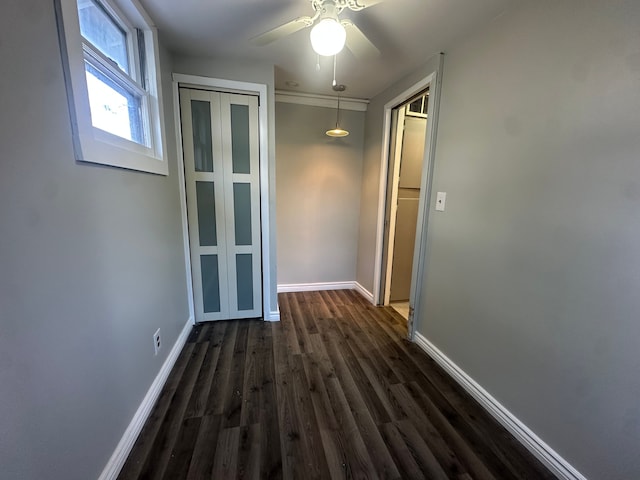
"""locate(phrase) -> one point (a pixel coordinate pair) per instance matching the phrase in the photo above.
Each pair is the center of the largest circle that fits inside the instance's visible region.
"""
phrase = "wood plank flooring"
(332, 391)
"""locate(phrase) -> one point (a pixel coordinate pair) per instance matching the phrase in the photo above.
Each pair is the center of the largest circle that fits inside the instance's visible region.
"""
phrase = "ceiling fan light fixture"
(328, 37)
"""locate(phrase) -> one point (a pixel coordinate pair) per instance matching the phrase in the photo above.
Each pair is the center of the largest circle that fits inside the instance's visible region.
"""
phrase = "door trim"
(395, 181)
(269, 313)
(432, 80)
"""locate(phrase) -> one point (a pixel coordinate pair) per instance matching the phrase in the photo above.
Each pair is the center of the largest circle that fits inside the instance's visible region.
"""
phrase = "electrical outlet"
(156, 342)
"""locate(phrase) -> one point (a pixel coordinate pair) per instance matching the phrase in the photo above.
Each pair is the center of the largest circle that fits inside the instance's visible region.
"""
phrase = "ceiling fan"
(329, 34)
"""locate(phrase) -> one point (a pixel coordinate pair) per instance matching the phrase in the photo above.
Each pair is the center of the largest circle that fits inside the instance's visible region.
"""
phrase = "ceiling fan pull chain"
(318, 62)
(335, 62)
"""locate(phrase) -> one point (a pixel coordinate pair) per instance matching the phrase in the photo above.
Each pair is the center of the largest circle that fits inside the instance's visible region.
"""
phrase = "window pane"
(416, 106)
(113, 108)
(99, 28)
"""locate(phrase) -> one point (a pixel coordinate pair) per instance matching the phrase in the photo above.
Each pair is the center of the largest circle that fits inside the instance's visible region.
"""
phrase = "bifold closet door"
(221, 157)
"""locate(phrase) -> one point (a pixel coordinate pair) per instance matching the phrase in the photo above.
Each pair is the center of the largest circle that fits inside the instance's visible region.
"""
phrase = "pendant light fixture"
(338, 131)
(328, 36)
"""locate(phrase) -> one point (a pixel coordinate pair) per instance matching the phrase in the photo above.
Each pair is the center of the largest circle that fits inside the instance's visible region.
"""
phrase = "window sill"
(106, 149)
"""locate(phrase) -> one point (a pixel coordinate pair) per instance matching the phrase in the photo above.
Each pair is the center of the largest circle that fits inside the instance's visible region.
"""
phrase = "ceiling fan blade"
(358, 43)
(371, 3)
(282, 31)
(357, 5)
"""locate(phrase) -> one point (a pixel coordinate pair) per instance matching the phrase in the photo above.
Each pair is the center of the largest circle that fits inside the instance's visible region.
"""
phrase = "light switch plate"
(441, 198)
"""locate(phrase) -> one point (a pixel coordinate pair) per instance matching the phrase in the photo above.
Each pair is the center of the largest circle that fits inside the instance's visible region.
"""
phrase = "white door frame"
(229, 86)
(417, 275)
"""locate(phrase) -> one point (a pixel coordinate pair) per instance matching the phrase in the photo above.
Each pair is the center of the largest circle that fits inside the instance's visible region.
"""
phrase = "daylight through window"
(116, 97)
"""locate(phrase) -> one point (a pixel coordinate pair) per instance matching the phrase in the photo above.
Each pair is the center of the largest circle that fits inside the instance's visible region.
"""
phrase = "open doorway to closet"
(404, 184)
(406, 160)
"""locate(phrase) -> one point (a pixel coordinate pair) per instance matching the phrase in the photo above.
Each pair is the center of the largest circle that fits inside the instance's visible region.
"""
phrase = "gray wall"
(91, 264)
(318, 181)
(371, 171)
(253, 72)
(533, 271)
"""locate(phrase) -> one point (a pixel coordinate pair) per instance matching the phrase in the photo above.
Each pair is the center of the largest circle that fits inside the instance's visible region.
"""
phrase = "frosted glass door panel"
(206, 205)
(242, 213)
(210, 283)
(240, 139)
(202, 138)
(244, 281)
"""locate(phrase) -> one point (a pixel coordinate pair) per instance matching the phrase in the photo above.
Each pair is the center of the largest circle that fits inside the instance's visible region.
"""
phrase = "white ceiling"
(407, 32)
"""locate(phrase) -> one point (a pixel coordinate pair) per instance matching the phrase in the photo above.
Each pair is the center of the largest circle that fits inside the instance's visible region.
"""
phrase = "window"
(419, 106)
(111, 67)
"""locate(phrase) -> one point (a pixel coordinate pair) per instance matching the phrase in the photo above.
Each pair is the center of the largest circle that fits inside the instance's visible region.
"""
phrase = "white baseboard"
(273, 316)
(314, 287)
(363, 291)
(116, 462)
(558, 465)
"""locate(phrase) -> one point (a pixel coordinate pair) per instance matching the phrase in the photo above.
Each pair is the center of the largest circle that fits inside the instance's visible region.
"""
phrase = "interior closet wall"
(415, 129)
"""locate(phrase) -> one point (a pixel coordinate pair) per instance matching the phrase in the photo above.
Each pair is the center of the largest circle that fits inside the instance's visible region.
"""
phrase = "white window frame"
(92, 144)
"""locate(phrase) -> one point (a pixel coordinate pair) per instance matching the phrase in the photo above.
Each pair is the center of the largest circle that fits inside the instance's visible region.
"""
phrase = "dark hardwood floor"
(332, 391)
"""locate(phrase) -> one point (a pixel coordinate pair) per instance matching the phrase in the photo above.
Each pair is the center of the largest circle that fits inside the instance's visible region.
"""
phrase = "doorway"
(406, 159)
(221, 166)
(390, 145)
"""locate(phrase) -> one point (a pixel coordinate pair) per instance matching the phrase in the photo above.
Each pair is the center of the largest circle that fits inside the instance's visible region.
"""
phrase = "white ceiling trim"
(357, 104)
